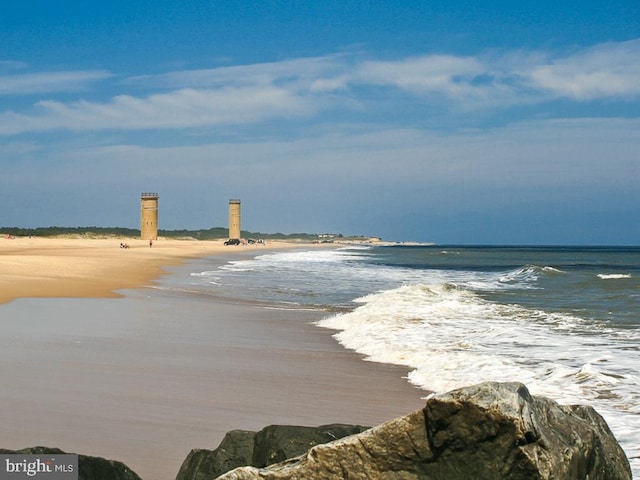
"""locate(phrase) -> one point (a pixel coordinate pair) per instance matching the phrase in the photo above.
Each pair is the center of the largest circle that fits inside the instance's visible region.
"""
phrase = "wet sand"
(147, 377)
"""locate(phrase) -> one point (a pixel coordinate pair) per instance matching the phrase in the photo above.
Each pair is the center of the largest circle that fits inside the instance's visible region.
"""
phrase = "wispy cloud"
(49, 82)
(297, 73)
(249, 94)
(604, 71)
(12, 65)
(610, 70)
(179, 109)
(432, 74)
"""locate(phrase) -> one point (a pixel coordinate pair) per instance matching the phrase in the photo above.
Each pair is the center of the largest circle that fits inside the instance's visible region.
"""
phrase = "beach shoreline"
(146, 377)
(62, 267)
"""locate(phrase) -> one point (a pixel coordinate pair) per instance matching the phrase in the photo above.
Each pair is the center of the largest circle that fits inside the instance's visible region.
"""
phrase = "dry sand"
(146, 377)
(86, 267)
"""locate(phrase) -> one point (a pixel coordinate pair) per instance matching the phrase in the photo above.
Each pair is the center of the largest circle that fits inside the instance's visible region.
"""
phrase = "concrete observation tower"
(149, 216)
(234, 219)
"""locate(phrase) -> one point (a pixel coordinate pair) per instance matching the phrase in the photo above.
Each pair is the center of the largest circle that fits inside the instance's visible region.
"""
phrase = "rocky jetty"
(273, 444)
(89, 468)
(492, 431)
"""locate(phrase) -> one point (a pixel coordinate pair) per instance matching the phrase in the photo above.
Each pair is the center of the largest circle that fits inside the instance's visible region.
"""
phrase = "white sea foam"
(236, 267)
(211, 277)
(528, 275)
(613, 276)
(553, 270)
(449, 337)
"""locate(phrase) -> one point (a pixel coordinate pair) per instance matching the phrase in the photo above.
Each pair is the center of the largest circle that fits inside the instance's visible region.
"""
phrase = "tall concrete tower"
(149, 216)
(234, 218)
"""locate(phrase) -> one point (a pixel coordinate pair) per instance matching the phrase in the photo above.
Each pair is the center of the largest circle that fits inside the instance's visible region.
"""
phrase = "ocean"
(565, 321)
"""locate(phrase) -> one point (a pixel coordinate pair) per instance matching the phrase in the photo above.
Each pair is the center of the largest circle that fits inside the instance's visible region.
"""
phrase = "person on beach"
(150, 243)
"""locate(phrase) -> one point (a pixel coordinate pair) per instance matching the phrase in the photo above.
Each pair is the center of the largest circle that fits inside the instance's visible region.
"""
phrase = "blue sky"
(454, 122)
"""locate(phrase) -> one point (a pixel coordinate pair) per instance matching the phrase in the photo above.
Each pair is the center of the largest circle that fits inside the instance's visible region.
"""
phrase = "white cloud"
(297, 73)
(180, 109)
(249, 94)
(604, 71)
(429, 74)
(12, 64)
(584, 152)
(49, 82)
(607, 70)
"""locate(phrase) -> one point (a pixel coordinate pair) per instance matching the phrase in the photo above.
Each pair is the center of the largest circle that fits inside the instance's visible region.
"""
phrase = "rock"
(97, 468)
(89, 468)
(277, 443)
(609, 444)
(504, 432)
(270, 445)
(491, 431)
(235, 450)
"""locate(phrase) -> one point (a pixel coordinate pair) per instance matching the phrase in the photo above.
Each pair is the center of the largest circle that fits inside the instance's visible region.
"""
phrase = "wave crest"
(528, 274)
(613, 276)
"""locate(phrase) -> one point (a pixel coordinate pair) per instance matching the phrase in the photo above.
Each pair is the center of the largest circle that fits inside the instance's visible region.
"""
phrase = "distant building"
(234, 219)
(149, 216)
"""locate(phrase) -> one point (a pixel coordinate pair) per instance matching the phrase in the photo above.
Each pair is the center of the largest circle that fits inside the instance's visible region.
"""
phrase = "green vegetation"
(220, 232)
(202, 234)
(70, 231)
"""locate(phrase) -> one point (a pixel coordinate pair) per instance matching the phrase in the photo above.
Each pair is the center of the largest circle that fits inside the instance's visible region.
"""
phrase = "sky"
(466, 122)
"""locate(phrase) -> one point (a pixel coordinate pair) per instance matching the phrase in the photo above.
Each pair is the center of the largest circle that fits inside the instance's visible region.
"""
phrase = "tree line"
(201, 234)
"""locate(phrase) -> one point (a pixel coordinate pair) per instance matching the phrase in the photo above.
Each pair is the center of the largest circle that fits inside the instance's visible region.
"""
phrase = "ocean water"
(565, 321)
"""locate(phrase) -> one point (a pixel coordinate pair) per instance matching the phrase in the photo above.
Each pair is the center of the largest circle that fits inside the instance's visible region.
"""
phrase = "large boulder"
(89, 468)
(492, 431)
(235, 450)
(270, 445)
(277, 443)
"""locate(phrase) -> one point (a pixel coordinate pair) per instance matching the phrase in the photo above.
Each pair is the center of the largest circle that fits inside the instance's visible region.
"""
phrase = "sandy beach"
(146, 377)
(92, 267)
